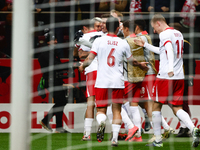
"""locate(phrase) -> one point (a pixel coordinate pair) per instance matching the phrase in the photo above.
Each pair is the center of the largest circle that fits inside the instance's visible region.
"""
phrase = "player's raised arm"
(142, 43)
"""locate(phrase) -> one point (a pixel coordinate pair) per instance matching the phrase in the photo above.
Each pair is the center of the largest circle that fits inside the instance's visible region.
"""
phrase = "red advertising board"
(5, 82)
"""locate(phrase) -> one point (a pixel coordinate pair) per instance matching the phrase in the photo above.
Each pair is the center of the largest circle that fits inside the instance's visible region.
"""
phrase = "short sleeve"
(95, 45)
(84, 48)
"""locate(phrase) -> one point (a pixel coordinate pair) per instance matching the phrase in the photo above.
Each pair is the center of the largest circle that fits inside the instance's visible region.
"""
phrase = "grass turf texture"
(72, 141)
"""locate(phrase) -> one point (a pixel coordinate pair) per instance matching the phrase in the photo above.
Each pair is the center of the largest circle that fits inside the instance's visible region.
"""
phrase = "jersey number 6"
(111, 58)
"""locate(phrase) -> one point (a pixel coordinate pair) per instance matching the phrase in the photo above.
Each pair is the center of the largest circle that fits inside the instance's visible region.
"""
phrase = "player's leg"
(89, 114)
(101, 119)
(89, 117)
(116, 123)
(126, 107)
(183, 116)
(132, 93)
(146, 107)
(136, 117)
(159, 96)
(132, 129)
(177, 101)
(101, 106)
(183, 132)
(117, 101)
(157, 120)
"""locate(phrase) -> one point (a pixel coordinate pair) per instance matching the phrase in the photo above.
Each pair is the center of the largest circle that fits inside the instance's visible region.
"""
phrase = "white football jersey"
(176, 39)
(87, 36)
(110, 51)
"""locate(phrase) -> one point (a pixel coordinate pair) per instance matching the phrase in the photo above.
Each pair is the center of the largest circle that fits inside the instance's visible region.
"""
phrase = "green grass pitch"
(72, 141)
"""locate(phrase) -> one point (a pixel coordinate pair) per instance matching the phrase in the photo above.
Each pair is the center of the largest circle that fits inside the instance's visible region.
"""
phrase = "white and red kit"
(110, 51)
(135, 92)
(91, 70)
(170, 49)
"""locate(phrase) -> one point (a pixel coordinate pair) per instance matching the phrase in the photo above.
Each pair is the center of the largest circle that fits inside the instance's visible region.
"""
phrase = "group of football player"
(119, 65)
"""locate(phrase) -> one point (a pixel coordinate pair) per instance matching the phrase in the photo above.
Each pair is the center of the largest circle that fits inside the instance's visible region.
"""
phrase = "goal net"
(49, 94)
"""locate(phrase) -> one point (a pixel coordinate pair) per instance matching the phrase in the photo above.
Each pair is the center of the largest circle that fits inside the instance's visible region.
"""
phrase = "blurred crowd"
(60, 12)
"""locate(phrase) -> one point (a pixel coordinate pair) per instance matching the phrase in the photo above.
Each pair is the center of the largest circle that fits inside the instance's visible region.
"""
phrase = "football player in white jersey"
(96, 25)
(169, 84)
(90, 73)
(141, 91)
(109, 85)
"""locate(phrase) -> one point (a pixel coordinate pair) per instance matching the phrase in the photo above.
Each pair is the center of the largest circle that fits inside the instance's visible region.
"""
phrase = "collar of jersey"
(141, 33)
(112, 35)
(92, 31)
(169, 28)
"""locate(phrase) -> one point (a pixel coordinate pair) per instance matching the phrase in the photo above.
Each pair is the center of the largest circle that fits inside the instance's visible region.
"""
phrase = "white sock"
(183, 116)
(88, 126)
(109, 114)
(100, 118)
(115, 130)
(164, 123)
(145, 112)
(151, 124)
(156, 119)
(126, 107)
(182, 124)
(136, 118)
(126, 119)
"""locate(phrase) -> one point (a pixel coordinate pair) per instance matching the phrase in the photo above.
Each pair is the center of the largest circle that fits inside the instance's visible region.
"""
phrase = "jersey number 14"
(179, 49)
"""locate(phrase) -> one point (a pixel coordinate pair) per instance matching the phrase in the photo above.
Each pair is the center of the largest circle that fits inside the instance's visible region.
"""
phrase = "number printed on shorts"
(111, 58)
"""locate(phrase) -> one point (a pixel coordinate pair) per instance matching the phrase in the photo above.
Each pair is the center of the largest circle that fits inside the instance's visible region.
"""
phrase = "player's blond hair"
(158, 17)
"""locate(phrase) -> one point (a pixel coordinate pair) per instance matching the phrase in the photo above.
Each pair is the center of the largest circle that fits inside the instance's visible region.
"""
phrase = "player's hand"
(139, 42)
(171, 74)
(143, 66)
(80, 68)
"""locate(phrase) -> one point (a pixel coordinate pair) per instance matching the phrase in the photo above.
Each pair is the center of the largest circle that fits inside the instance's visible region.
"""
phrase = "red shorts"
(168, 91)
(132, 91)
(104, 97)
(90, 82)
(147, 86)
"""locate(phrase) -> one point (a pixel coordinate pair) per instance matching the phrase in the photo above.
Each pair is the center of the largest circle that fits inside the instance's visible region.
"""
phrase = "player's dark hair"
(140, 23)
(132, 24)
(112, 24)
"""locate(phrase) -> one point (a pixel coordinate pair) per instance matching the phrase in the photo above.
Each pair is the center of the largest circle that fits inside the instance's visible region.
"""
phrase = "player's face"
(103, 25)
(156, 27)
(125, 31)
(97, 26)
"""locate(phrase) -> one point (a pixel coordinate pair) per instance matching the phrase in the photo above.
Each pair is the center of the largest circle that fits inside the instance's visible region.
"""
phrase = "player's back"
(175, 37)
(110, 53)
